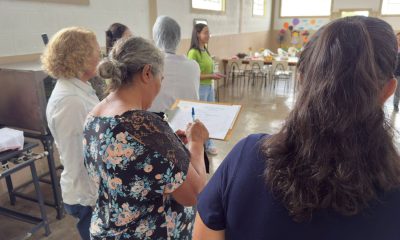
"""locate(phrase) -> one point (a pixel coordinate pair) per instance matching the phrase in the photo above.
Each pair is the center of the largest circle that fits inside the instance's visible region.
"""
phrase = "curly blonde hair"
(66, 55)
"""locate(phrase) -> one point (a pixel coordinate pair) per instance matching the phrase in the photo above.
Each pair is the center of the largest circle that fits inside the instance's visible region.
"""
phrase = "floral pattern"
(137, 161)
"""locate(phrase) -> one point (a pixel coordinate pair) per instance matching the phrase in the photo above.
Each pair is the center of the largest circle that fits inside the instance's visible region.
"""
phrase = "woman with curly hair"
(71, 57)
(332, 171)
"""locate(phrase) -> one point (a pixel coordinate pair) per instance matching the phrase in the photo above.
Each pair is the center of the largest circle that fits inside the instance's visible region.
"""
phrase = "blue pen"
(193, 116)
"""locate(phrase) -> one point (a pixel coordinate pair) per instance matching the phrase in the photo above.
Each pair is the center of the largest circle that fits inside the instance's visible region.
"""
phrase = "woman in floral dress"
(145, 174)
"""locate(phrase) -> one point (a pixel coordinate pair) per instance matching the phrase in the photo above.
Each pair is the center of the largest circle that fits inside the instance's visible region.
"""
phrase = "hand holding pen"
(196, 131)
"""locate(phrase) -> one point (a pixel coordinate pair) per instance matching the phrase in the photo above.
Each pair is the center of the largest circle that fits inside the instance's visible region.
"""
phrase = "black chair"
(23, 159)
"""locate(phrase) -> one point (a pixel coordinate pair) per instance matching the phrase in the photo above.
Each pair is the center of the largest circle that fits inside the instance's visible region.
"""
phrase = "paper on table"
(217, 118)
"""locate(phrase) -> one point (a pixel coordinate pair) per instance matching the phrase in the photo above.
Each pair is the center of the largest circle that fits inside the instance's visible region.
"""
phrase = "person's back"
(71, 57)
(181, 81)
(248, 210)
(332, 171)
(181, 75)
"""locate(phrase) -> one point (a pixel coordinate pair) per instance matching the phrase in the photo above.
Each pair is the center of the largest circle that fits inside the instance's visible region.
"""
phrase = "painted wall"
(22, 22)
(338, 5)
(220, 24)
(252, 23)
(233, 21)
(231, 32)
(312, 24)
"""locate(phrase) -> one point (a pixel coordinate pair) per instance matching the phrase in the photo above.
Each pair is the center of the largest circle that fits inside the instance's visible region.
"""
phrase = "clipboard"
(219, 118)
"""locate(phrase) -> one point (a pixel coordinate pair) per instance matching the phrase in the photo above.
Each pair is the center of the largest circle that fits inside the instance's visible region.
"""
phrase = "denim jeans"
(396, 97)
(207, 94)
(84, 215)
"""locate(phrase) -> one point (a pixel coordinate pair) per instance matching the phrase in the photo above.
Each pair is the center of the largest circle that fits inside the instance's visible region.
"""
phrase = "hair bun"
(112, 69)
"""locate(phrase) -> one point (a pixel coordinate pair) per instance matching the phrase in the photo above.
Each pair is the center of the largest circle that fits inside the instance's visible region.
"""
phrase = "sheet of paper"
(218, 119)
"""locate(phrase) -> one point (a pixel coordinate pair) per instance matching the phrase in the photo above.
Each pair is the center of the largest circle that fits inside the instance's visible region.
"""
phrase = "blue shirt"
(237, 199)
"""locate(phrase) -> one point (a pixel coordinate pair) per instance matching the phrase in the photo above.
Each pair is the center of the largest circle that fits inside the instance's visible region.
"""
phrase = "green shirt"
(205, 62)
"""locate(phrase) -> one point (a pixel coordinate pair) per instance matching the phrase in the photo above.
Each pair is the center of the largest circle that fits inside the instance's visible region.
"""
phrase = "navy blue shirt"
(397, 70)
(236, 199)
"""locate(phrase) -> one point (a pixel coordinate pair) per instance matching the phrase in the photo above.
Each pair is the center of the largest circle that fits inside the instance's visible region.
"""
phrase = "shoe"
(396, 108)
(212, 150)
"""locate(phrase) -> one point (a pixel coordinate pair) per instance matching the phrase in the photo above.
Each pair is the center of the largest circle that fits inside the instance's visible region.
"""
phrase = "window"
(213, 5)
(200, 20)
(258, 7)
(390, 7)
(306, 8)
(350, 13)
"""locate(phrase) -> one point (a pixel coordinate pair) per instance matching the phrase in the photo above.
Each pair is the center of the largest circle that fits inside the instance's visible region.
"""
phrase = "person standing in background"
(198, 51)
(115, 32)
(71, 57)
(181, 75)
(396, 97)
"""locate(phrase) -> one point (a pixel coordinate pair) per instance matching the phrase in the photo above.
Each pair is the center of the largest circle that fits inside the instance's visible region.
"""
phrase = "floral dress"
(137, 161)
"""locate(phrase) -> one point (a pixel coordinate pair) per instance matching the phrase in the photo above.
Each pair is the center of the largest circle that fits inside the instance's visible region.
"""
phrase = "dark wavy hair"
(113, 34)
(335, 150)
(194, 42)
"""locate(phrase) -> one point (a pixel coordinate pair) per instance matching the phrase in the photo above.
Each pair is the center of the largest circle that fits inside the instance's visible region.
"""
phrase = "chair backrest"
(256, 65)
(234, 65)
(23, 100)
(279, 66)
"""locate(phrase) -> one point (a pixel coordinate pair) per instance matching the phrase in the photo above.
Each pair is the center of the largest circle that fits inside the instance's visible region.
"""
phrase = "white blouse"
(68, 106)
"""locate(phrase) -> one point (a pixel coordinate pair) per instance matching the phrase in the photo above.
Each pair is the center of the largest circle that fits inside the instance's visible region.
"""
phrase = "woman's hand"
(186, 194)
(196, 132)
(217, 75)
(182, 136)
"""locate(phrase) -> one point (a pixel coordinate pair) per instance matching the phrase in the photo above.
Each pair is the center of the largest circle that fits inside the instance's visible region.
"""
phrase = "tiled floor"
(263, 110)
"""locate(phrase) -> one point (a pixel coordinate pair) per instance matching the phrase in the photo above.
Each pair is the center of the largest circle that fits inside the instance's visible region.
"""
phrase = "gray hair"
(127, 58)
(166, 34)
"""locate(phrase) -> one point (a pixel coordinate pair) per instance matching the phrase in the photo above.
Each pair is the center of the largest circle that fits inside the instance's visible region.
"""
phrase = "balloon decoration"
(305, 35)
(298, 30)
(295, 37)
(286, 25)
(295, 21)
(281, 36)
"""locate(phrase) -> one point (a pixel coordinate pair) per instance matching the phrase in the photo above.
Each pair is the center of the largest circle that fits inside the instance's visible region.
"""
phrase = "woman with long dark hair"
(198, 51)
(115, 32)
(332, 171)
(396, 97)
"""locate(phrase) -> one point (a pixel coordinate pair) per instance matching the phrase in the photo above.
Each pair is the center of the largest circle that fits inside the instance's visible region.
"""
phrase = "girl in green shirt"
(198, 51)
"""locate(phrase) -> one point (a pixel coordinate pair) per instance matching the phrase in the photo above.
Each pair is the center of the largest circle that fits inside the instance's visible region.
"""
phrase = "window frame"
(386, 15)
(369, 10)
(208, 11)
(265, 10)
(327, 16)
(196, 20)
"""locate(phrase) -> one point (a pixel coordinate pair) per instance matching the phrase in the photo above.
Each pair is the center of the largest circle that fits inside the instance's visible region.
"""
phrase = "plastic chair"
(280, 72)
(236, 70)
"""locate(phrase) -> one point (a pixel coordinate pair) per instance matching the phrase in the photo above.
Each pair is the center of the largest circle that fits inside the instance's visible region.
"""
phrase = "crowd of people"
(331, 172)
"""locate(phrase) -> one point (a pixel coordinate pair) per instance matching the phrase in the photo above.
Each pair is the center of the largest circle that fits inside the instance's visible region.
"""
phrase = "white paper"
(218, 119)
(11, 139)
